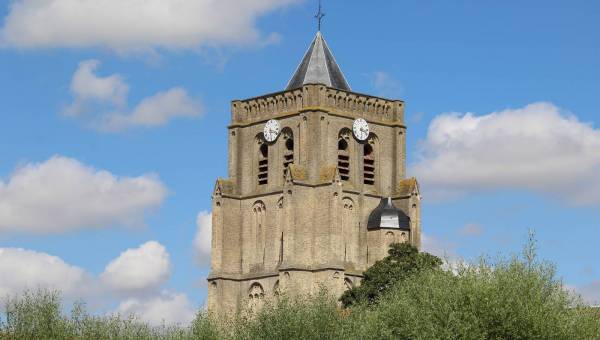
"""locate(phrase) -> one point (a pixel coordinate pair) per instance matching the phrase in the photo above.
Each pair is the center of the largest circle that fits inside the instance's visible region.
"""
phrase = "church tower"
(316, 190)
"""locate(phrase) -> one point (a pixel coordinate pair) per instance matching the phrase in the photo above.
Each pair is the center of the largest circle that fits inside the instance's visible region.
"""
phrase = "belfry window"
(263, 164)
(344, 156)
(368, 164)
(288, 148)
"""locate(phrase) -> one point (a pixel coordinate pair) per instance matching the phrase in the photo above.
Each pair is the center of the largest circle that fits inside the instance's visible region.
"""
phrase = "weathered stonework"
(307, 226)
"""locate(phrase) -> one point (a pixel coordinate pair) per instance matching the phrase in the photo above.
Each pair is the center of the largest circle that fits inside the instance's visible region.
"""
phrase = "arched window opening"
(263, 164)
(256, 295)
(404, 237)
(288, 150)
(256, 291)
(350, 230)
(369, 164)
(258, 230)
(389, 239)
(344, 155)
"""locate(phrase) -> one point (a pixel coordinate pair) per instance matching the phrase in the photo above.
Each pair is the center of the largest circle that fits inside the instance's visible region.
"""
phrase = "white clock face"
(271, 130)
(360, 129)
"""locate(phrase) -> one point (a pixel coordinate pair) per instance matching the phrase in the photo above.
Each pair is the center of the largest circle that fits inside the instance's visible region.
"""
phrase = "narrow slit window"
(369, 165)
(263, 164)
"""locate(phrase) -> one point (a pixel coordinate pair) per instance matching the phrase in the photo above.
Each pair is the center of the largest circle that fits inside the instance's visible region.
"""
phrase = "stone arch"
(288, 147)
(262, 159)
(390, 238)
(350, 230)
(276, 288)
(279, 230)
(256, 291)
(259, 212)
(256, 295)
(404, 237)
(370, 159)
(344, 153)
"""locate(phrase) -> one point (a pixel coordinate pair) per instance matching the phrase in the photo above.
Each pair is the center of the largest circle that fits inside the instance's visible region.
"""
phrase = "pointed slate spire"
(319, 67)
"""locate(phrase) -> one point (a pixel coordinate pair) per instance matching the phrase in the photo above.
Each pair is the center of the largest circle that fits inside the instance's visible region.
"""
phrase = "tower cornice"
(317, 97)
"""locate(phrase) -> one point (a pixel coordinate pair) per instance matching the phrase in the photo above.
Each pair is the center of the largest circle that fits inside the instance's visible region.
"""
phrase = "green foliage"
(39, 315)
(403, 261)
(204, 327)
(314, 317)
(509, 300)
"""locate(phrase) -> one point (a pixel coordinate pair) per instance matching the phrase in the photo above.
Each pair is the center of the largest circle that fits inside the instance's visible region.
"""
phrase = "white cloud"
(539, 148)
(138, 270)
(446, 251)
(168, 308)
(154, 111)
(202, 241)
(25, 269)
(87, 86)
(62, 194)
(146, 267)
(437, 247)
(133, 25)
(590, 293)
(471, 229)
(102, 102)
(385, 85)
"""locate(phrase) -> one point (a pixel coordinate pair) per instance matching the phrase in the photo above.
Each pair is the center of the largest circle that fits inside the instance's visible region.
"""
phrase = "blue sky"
(501, 104)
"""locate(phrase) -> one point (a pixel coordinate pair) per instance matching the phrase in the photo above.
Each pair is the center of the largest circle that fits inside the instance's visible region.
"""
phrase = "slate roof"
(386, 215)
(319, 67)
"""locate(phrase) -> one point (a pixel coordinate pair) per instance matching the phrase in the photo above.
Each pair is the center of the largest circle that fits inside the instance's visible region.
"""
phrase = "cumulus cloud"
(25, 269)
(146, 268)
(202, 241)
(86, 86)
(167, 308)
(62, 194)
(133, 25)
(139, 269)
(538, 147)
(102, 102)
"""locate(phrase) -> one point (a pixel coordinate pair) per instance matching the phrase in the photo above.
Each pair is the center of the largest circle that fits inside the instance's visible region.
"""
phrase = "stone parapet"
(317, 97)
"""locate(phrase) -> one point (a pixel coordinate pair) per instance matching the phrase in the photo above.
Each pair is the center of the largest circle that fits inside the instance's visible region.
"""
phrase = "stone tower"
(316, 189)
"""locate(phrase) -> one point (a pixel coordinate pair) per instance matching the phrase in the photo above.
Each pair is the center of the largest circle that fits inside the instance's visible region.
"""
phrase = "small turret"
(387, 216)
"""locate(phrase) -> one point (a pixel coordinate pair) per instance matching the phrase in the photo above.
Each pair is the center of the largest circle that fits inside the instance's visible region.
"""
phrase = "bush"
(518, 298)
(316, 317)
(38, 315)
(403, 261)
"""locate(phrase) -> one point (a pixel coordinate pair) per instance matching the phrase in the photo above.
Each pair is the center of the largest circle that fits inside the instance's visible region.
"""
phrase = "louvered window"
(343, 159)
(288, 149)
(369, 165)
(263, 164)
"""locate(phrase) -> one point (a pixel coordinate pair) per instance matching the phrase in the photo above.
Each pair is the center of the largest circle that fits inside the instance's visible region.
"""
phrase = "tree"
(403, 261)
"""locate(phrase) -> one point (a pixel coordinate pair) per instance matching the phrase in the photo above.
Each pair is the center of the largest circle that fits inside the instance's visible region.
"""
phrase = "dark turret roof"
(319, 67)
(386, 215)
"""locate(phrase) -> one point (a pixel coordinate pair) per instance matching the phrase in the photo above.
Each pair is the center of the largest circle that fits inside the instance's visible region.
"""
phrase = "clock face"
(360, 129)
(271, 130)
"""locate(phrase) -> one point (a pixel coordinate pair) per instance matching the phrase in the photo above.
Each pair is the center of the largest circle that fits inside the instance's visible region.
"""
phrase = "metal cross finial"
(320, 16)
